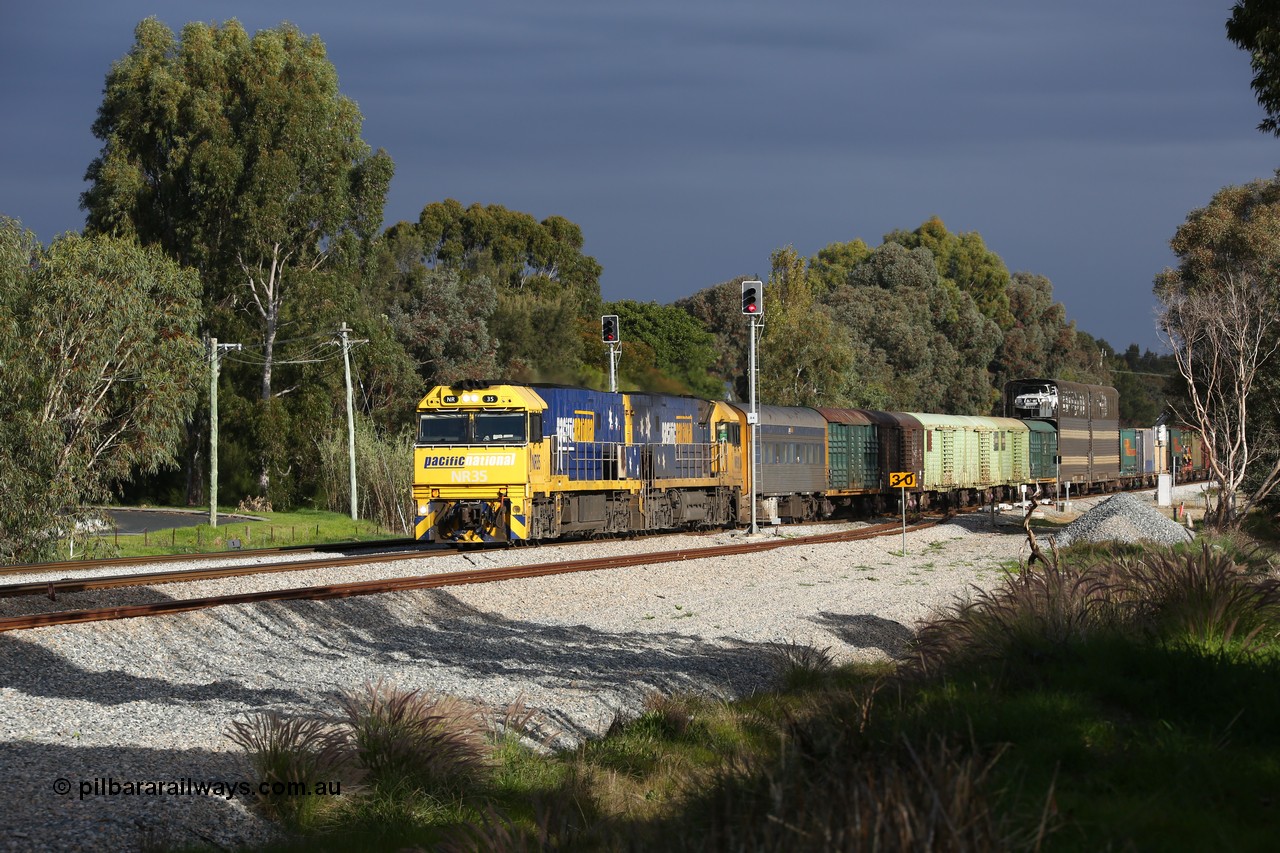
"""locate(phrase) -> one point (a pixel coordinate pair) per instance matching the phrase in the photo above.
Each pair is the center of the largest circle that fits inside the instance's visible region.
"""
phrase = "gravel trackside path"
(146, 701)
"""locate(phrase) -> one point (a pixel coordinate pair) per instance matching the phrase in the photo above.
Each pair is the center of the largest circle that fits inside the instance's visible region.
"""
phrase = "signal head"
(609, 329)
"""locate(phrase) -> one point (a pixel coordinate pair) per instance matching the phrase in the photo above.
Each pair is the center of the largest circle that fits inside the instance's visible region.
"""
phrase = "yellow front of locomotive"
(471, 463)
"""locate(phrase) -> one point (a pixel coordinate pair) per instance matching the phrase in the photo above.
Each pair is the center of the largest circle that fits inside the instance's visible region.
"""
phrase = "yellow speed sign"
(902, 480)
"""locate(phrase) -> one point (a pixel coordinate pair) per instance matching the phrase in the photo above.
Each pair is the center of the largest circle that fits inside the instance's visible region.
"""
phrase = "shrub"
(1031, 616)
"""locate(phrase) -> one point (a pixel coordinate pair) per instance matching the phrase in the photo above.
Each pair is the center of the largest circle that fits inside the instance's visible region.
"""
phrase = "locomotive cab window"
(500, 428)
(466, 428)
(444, 428)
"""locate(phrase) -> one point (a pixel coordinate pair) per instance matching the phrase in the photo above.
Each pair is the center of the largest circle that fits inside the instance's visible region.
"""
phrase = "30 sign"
(902, 480)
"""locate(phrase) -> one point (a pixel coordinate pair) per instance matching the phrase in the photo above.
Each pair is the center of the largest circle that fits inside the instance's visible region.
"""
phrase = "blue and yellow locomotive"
(508, 463)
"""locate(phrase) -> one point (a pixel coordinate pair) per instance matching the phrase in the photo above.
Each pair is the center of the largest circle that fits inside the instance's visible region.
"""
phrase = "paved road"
(134, 521)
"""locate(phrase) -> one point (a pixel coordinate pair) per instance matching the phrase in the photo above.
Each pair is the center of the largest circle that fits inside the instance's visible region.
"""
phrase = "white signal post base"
(753, 421)
(613, 367)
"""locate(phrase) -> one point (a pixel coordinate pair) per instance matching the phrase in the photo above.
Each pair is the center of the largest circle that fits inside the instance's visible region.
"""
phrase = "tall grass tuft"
(1030, 617)
(412, 740)
(384, 482)
(286, 749)
(1203, 597)
(934, 796)
(800, 666)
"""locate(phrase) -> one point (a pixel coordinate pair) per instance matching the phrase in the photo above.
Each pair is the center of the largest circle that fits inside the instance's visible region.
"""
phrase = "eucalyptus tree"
(1220, 312)
(805, 359)
(719, 310)
(1254, 26)
(547, 289)
(921, 342)
(964, 261)
(238, 156)
(99, 361)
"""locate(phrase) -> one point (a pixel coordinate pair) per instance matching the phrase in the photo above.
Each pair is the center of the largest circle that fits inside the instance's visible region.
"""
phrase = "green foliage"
(411, 740)
(1042, 343)
(384, 475)
(805, 358)
(293, 750)
(1219, 311)
(719, 310)
(511, 249)
(1143, 380)
(927, 347)
(1254, 27)
(682, 350)
(541, 338)
(100, 365)
(834, 264)
(440, 317)
(274, 529)
(231, 152)
(964, 261)
(530, 280)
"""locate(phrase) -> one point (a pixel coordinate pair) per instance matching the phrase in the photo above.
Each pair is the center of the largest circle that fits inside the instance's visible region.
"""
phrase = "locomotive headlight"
(422, 509)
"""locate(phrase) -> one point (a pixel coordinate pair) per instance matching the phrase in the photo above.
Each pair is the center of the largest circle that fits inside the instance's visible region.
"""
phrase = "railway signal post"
(753, 307)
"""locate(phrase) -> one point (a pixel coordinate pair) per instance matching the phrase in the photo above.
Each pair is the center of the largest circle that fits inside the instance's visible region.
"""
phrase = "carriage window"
(444, 429)
(500, 428)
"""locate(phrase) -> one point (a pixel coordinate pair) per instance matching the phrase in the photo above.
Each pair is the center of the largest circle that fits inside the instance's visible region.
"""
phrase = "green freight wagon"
(1043, 438)
(975, 457)
(853, 451)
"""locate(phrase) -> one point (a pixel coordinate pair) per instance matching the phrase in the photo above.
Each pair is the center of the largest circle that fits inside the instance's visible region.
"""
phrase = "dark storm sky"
(690, 139)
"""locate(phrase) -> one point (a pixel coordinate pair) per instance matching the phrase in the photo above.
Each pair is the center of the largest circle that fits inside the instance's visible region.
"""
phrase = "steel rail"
(88, 565)
(344, 590)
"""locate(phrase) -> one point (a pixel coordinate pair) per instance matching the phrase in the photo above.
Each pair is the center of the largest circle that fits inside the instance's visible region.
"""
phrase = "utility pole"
(753, 307)
(215, 360)
(351, 416)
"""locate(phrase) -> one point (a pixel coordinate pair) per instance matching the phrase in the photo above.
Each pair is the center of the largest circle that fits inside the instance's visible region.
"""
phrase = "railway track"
(344, 590)
(105, 562)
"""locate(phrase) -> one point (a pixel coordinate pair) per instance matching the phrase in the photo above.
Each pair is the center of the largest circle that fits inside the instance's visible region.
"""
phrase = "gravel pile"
(1124, 518)
(147, 701)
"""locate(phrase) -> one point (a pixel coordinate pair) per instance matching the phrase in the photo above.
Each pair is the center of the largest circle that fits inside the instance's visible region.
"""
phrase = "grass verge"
(275, 529)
